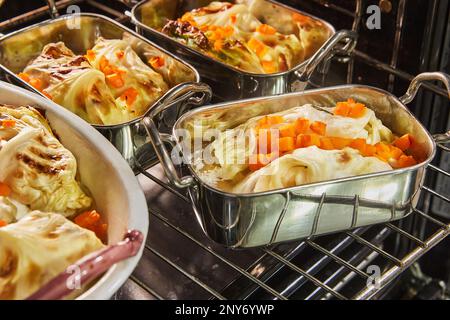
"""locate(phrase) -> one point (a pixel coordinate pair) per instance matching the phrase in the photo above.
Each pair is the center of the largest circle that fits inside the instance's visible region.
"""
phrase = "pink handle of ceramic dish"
(89, 268)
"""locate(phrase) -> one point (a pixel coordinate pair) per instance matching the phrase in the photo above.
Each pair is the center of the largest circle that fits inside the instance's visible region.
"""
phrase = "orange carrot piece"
(24, 76)
(286, 144)
(340, 143)
(306, 140)
(326, 143)
(36, 83)
(287, 130)
(404, 142)
(319, 127)
(90, 55)
(8, 123)
(342, 109)
(5, 190)
(369, 150)
(258, 161)
(406, 161)
(120, 54)
(357, 110)
(157, 62)
(87, 219)
(301, 125)
(115, 80)
(269, 66)
(266, 29)
(3, 223)
(233, 18)
(130, 96)
(358, 144)
(257, 46)
(395, 152)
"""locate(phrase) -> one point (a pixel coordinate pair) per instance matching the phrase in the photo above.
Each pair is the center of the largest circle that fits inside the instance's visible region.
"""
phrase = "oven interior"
(377, 262)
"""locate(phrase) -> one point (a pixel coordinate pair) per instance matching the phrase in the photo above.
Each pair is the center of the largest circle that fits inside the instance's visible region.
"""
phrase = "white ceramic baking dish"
(104, 172)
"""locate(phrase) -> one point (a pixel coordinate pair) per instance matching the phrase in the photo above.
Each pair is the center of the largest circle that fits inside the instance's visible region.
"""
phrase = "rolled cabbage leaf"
(147, 84)
(36, 249)
(73, 83)
(35, 165)
(308, 165)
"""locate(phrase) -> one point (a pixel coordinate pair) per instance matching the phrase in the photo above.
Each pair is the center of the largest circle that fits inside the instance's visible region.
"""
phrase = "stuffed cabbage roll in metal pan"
(298, 146)
(244, 36)
(37, 248)
(108, 85)
(36, 170)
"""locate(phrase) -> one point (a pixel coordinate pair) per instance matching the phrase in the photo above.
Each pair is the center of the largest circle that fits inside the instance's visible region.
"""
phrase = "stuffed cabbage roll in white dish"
(302, 145)
(37, 248)
(236, 35)
(35, 168)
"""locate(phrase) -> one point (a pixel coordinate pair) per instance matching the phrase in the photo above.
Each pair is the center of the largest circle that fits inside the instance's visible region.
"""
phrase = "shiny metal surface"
(229, 83)
(79, 32)
(248, 220)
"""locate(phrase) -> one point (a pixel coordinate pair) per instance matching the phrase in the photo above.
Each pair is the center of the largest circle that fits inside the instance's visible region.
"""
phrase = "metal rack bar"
(185, 273)
(375, 248)
(337, 259)
(311, 278)
(227, 262)
(146, 288)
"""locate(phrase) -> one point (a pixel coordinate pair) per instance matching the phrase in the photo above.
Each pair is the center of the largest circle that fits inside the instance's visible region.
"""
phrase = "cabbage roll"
(36, 249)
(134, 85)
(37, 168)
(307, 165)
(234, 34)
(72, 82)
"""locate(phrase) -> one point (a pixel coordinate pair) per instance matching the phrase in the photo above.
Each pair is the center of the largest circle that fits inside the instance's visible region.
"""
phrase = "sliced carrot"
(120, 54)
(24, 76)
(383, 150)
(8, 123)
(395, 152)
(357, 110)
(369, 150)
(269, 66)
(342, 109)
(266, 29)
(130, 96)
(5, 190)
(319, 127)
(36, 83)
(3, 223)
(406, 161)
(157, 62)
(228, 31)
(270, 120)
(101, 231)
(218, 45)
(115, 80)
(404, 142)
(326, 143)
(359, 144)
(301, 125)
(103, 63)
(257, 46)
(286, 144)
(233, 18)
(287, 130)
(340, 143)
(90, 55)
(306, 140)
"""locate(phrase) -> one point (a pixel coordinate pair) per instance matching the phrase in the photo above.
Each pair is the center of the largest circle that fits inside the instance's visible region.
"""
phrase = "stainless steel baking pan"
(226, 81)
(79, 32)
(248, 220)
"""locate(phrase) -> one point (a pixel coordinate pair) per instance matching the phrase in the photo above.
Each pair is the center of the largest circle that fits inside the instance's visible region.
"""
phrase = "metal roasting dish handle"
(52, 9)
(184, 92)
(89, 268)
(413, 88)
(327, 51)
